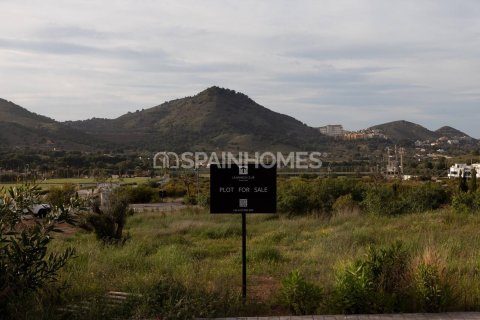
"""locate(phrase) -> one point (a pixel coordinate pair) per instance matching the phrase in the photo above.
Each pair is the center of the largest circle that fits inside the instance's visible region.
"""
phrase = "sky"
(353, 62)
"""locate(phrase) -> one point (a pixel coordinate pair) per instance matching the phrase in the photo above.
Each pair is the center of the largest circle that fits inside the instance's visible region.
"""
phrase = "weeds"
(300, 296)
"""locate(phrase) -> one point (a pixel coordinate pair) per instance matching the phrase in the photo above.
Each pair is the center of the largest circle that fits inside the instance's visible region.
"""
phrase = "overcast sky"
(357, 63)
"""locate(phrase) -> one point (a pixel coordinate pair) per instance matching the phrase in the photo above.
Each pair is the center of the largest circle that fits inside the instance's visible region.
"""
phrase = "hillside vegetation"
(337, 246)
(214, 118)
(22, 128)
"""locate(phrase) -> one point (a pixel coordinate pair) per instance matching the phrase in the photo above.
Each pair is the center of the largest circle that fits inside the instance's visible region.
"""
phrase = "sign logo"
(243, 170)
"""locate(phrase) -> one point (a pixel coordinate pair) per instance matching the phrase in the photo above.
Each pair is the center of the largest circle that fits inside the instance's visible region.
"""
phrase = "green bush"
(428, 196)
(27, 264)
(140, 194)
(204, 200)
(109, 222)
(174, 188)
(59, 196)
(384, 200)
(397, 199)
(297, 196)
(434, 293)
(378, 283)
(389, 269)
(299, 295)
(344, 203)
(464, 202)
(294, 197)
(354, 290)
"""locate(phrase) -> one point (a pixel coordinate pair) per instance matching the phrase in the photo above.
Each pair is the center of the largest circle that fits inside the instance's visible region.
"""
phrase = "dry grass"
(204, 250)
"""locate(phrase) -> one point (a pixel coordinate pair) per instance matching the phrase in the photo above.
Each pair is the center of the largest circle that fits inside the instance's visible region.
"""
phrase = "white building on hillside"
(333, 130)
(458, 169)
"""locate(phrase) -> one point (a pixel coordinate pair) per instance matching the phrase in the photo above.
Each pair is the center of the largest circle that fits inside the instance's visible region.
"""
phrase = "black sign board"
(243, 189)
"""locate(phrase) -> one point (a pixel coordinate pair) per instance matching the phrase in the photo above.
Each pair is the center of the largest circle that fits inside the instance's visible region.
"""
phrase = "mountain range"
(409, 131)
(22, 128)
(214, 119)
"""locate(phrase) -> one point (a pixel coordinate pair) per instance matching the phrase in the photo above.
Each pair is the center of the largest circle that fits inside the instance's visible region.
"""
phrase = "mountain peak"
(451, 132)
(406, 130)
(216, 118)
(216, 91)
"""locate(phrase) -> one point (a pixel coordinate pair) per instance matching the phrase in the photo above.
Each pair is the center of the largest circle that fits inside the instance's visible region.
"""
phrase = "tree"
(473, 181)
(26, 263)
(462, 184)
(108, 222)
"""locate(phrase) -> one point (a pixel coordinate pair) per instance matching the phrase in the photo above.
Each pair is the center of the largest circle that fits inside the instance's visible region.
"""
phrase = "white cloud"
(352, 62)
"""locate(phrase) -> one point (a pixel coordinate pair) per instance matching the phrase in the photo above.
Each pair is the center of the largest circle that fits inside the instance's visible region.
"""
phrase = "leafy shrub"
(298, 196)
(26, 265)
(204, 200)
(58, 196)
(294, 197)
(139, 194)
(344, 203)
(108, 223)
(378, 283)
(354, 290)
(327, 191)
(384, 200)
(173, 188)
(464, 202)
(433, 290)
(428, 196)
(389, 268)
(299, 295)
(397, 199)
(434, 293)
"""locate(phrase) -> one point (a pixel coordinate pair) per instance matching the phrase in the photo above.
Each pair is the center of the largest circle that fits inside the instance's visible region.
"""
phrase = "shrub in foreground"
(300, 296)
(378, 283)
(27, 265)
(434, 293)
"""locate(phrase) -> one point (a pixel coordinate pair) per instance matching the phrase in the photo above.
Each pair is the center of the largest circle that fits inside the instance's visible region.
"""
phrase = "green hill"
(451, 133)
(20, 128)
(214, 119)
(405, 130)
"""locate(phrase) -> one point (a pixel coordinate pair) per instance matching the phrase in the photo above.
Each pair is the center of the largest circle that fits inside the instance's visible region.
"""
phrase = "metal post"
(244, 257)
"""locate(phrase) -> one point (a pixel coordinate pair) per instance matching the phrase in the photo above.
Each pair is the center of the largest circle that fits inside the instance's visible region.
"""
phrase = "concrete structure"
(333, 130)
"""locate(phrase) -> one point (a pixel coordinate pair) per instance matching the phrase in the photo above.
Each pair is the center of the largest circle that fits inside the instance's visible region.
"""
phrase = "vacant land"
(81, 182)
(202, 250)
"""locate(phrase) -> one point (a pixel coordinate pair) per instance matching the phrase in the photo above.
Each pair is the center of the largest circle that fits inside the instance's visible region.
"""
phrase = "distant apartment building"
(333, 130)
(462, 169)
(364, 134)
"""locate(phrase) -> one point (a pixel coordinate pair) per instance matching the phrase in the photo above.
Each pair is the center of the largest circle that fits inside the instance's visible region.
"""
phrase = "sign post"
(240, 190)
(244, 257)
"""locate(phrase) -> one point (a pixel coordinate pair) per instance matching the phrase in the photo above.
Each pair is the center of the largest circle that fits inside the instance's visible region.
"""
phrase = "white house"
(459, 169)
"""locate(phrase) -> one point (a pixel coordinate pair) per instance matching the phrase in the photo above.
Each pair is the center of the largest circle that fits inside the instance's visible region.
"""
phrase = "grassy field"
(203, 250)
(49, 183)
